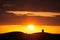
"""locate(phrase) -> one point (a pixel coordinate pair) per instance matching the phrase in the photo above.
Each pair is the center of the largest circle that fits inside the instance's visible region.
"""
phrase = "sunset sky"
(16, 14)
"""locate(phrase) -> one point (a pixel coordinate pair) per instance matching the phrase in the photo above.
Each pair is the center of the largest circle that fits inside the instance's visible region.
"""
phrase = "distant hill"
(35, 36)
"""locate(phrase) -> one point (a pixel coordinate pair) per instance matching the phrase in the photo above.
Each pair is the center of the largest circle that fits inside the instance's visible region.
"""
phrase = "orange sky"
(21, 28)
(34, 13)
(10, 28)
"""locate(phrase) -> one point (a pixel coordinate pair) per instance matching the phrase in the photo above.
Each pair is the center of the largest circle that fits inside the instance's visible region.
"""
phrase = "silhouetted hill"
(48, 36)
(35, 36)
(11, 36)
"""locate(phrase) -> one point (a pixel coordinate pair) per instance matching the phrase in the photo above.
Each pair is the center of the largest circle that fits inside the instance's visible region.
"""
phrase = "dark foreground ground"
(22, 36)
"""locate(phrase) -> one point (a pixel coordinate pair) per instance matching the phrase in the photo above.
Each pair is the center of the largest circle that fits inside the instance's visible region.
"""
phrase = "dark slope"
(22, 36)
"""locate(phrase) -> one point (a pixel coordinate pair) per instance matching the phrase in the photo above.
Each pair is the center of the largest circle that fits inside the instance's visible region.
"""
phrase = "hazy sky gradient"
(16, 12)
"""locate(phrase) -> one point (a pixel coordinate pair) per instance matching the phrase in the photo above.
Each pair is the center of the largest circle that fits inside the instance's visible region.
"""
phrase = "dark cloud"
(32, 5)
(7, 5)
(12, 19)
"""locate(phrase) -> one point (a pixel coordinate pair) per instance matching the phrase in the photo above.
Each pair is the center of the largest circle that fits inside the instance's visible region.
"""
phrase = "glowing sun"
(30, 27)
